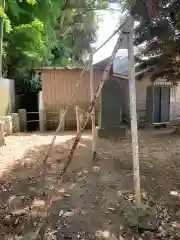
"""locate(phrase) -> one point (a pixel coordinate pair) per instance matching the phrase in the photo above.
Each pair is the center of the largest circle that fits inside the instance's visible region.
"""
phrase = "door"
(165, 103)
(157, 104)
(149, 104)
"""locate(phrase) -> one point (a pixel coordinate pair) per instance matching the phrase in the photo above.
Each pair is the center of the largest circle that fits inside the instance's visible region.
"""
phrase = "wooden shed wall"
(58, 86)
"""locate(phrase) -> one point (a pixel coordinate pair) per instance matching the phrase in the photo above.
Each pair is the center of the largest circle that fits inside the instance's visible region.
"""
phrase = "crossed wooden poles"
(89, 114)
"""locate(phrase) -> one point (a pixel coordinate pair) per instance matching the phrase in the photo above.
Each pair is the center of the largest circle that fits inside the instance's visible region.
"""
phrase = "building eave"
(136, 74)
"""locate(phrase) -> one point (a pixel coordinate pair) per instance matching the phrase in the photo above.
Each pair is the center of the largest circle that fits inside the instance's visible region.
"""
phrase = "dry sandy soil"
(92, 202)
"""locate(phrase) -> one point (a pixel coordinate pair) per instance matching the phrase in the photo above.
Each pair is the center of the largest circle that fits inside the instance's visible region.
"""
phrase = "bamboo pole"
(73, 97)
(78, 136)
(97, 93)
(77, 119)
(133, 114)
(92, 104)
(93, 109)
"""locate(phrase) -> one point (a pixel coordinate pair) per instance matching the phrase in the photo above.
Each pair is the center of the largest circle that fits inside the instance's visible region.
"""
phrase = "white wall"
(175, 103)
(141, 89)
(7, 96)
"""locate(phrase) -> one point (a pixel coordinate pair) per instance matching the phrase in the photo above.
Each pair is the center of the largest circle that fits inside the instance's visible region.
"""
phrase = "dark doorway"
(30, 102)
(157, 104)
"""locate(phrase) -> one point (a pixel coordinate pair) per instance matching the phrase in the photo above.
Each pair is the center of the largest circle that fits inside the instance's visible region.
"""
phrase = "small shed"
(58, 84)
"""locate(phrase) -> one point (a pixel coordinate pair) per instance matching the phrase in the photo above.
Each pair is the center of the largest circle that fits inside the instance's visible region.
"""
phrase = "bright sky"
(110, 22)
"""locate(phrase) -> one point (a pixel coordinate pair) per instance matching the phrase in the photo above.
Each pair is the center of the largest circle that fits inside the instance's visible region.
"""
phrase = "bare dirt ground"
(93, 200)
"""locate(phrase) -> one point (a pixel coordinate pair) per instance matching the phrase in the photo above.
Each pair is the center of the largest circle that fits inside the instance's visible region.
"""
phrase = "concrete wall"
(141, 86)
(124, 95)
(175, 103)
(7, 96)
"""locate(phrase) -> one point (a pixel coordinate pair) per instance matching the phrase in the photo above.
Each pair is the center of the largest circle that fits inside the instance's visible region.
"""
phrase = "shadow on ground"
(22, 187)
(89, 202)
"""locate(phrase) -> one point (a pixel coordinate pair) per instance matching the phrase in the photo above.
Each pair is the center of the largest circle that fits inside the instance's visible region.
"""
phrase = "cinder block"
(2, 140)
(23, 120)
(42, 120)
(61, 113)
(15, 122)
(7, 124)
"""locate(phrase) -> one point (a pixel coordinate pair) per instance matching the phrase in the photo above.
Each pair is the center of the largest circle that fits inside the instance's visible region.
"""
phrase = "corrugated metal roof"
(64, 68)
(59, 68)
(120, 66)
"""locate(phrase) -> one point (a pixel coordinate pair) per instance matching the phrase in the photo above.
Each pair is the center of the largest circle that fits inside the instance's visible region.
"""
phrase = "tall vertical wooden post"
(133, 112)
(77, 119)
(23, 120)
(2, 139)
(93, 109)
(41, 120)
(62, 119)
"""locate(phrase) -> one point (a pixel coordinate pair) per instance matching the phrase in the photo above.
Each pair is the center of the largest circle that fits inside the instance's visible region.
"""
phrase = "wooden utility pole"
(133, 112)
(93, 109)
(1, 37)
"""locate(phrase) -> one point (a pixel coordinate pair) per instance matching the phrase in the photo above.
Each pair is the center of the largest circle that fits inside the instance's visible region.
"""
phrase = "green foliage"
(49, 32)
(32, 2)
(33, 85)
(32, 45)
(144, 216)
(6, 20)
(159, 31)
(77, 32)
